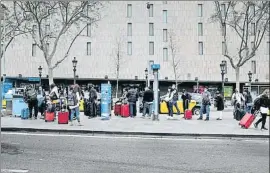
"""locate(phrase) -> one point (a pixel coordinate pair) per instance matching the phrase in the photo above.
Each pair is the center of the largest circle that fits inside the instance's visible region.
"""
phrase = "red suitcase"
(117, 109)
(49, 116)
(125, 110)
(63, 117)
(188, 114)
(247, 120)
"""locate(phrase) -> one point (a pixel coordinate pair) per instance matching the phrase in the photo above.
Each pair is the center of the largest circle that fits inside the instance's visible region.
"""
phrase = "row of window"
(150, 10)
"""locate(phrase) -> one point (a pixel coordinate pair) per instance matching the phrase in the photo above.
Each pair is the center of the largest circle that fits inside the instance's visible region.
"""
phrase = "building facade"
(144, 35)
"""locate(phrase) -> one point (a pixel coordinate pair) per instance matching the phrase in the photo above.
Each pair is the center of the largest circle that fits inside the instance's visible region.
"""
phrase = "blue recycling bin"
(18, 104)
(106, 96)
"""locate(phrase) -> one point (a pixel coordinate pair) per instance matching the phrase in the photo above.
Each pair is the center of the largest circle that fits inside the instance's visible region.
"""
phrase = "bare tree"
(175, 60)
(249, 22)
(118, 60)
(57, 22)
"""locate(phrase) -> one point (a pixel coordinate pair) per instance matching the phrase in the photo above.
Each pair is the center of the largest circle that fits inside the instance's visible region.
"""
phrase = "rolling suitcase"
(117, 109)
(25, 113)
(247, 120)
(125, 110)
(188, 114)
(63, 116)
(49, 116)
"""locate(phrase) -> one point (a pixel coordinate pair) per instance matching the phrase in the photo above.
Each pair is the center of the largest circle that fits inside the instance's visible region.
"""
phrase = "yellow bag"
(81, 105)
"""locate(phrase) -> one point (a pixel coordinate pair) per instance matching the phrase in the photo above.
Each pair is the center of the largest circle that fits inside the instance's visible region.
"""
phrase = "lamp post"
(146, 77)
(222, 68)
(258, 89)
(40, 74)
(74, 62)
(197, 83)
(250, 79)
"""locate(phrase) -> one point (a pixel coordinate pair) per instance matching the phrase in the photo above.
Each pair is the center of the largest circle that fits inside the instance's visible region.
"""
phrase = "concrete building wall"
(182, 20)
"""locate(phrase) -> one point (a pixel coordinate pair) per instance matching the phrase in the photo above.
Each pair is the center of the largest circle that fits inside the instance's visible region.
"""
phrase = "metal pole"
(146, 81)
(74, 70)
(40, 79)
(222, 75)
(197, 86)
(156, 99)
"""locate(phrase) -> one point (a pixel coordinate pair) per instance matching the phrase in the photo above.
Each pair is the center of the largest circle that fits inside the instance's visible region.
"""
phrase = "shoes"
(200, 118)
(263, 128)
(169, 117)
(206, 119)
(219, 118)
(255, 125)
(143, 117)
(71, 124)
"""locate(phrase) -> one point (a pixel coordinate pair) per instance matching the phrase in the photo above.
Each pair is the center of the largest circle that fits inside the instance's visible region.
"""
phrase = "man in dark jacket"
(92, 101)
(132, 97)
(186, 99)
(175, 99)
(219, 103)
(31, 97)
(148, 98)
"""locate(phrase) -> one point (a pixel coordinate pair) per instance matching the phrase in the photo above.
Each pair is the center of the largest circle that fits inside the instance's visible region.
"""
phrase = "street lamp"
(40, 74)
(197, 81)
(148, 5)
(222, 68)
(146, 76)
(74, 62)
(250, 79)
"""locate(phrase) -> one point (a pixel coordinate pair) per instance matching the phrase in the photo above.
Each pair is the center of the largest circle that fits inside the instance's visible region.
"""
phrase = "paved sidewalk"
(228, 127)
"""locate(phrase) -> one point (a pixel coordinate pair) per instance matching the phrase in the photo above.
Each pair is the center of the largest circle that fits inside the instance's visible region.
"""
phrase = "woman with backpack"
(74, 103)
(264, 103)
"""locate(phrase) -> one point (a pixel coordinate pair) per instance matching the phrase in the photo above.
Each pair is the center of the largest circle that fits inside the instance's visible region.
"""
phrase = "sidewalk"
(228, 127)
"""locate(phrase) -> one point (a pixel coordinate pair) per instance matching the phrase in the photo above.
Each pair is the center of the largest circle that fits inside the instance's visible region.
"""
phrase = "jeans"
(132, 109)
(170, 108)
(174, 103)
(147, 105)
(205, 109)
(248, 109)
(77, 112)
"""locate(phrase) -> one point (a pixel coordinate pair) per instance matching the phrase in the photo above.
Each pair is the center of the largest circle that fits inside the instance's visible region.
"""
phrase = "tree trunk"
(117, 85)
(237, 71)
(50, 73)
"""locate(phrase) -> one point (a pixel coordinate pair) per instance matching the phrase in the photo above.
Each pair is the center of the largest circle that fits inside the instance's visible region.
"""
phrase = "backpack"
(32, 94)
(72, 99)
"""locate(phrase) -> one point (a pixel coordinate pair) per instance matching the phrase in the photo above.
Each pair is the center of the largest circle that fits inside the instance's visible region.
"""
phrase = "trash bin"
(17, 105)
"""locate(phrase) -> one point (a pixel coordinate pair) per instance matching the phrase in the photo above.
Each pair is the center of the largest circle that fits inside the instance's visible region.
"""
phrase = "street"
(52, 153)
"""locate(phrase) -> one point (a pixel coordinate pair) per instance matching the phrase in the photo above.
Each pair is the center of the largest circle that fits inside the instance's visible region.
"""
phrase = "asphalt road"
(70, 154)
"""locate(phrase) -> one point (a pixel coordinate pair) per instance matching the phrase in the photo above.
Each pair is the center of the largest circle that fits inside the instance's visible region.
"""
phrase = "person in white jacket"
(237, 98)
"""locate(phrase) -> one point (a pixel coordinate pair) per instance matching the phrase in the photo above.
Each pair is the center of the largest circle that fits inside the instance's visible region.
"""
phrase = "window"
(164, 2)
(34, 50)
(253, 66)
(165, 15)
(151, 48)
(200, 10)
(223, 48)
(34, 30)
(151, 10)
(200, 29)
(165, 35)
(129, 29)
(165, 54)
(129, 48)
(47, 29)
(252, 10)
(129, 10)
(88, 48)
(268, 48)
(151, 29)
(223, 29)
(88, 30)
(252, 45)
(252, 32)
(200, 48)
(223, 9)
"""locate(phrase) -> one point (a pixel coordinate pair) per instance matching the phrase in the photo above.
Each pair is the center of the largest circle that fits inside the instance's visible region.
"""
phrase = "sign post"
(106, 95)
(155, 68)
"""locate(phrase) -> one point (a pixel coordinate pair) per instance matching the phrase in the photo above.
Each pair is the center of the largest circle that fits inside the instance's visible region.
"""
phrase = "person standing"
(186, 99)
(92, 101)
(205, 107)
(132, 97)
(237, 99)
(73, 103)
(219, 104)
(264, 109)
(175, 98)
(168, 99)
(248, 101)
(31, 96)
(148, 98)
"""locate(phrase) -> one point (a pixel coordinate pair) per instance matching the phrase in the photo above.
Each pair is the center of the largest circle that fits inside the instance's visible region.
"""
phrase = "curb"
(119, 133)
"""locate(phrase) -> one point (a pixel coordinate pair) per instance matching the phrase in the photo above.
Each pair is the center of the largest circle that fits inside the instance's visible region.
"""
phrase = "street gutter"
(133, 134)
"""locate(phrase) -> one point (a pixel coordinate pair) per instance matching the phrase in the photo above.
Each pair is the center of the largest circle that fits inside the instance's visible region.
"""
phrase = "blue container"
(25, 114)
(18, 105)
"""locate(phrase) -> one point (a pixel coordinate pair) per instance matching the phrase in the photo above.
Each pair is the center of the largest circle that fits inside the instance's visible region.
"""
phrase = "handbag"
(264, 110)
